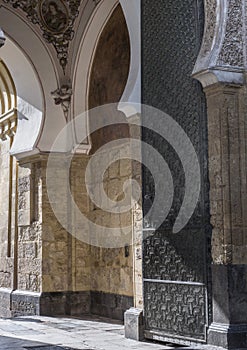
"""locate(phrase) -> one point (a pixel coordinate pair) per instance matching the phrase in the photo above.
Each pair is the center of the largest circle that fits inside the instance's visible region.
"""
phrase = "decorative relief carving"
(24, 184)
(8, 124)
(171, 82)
(175, 309)
(232, 51)
(222, 56)
(62, 96)
(210, 26)
(55, 18)
(165, 258)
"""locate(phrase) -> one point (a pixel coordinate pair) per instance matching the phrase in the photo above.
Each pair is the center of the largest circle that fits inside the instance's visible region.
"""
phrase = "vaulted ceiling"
(56, 23)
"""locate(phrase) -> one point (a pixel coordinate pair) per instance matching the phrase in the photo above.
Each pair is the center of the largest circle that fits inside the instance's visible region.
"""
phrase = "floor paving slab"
(69, 333)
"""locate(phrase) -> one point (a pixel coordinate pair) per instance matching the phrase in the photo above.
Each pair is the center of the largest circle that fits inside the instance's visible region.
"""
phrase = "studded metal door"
(176, 267)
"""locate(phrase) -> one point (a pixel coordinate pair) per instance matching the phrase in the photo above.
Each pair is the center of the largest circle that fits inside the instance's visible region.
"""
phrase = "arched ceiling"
(57, 40)
(57, 23)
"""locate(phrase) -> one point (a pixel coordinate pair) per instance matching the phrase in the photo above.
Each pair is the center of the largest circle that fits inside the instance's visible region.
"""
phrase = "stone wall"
(56, 272)
(29, 254)
(111, 268)
(69, 262)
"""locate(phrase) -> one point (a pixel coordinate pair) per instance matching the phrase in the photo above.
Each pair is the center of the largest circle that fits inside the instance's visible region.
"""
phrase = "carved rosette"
(57, 28)
(224, 43)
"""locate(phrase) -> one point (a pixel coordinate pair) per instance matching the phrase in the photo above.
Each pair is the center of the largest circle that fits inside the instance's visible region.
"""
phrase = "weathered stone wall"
(29, 254)
(81, 255)
(56, 265)
(63, 267)
(227, 151)
(111, 269)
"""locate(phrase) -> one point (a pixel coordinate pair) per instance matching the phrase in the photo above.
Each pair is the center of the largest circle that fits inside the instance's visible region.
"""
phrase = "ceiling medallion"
(55, 18)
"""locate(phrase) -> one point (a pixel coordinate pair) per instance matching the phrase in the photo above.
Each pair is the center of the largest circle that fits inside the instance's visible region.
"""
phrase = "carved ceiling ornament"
(62, 96)
(55, 18)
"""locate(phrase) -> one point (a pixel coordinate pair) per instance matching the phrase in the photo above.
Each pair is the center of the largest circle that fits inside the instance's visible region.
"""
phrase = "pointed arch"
(86, 52)
(8, 89)
(8, 103)
(8, 125)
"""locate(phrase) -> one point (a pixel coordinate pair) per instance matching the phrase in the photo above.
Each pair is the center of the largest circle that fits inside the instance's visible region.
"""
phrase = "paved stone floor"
(91, 333)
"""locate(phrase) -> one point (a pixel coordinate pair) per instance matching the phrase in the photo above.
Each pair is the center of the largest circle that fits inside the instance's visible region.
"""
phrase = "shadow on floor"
(7, 343)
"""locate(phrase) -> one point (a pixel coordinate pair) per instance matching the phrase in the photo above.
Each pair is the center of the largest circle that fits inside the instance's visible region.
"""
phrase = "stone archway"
(47, 279)
(85, 54)
(109, 74)
(107, 77)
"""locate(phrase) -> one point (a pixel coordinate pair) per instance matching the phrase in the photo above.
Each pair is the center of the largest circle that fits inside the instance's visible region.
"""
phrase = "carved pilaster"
(228, 204)
(221, 68)
(227, 149)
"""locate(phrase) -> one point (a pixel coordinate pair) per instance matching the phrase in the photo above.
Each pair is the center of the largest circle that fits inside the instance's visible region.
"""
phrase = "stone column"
(227, 174)
(221, 68)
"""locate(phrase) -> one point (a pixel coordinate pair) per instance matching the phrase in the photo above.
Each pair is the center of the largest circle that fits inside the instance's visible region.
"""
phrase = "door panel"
(176, 267)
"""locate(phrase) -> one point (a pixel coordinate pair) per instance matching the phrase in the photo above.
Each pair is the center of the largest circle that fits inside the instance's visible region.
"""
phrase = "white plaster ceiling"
(37, 69)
